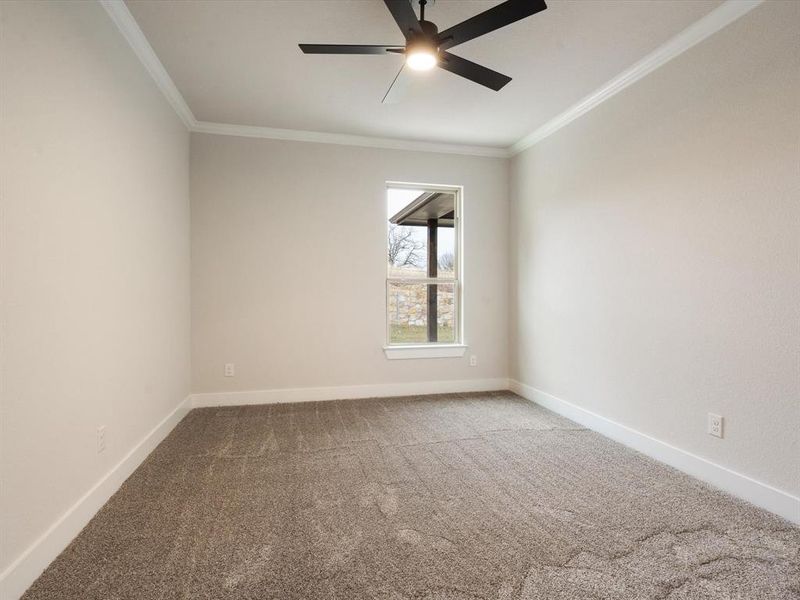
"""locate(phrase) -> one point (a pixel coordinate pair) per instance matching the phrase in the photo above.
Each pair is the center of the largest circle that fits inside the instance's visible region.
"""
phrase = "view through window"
(422, 285)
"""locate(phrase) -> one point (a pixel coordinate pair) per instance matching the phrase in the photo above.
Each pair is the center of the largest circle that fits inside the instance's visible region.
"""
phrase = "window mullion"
(421, 280)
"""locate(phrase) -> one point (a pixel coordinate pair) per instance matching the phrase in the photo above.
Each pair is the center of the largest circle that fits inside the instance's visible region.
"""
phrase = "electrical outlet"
(714, 425)
(230, 370)
(473, 361)
(101, 439)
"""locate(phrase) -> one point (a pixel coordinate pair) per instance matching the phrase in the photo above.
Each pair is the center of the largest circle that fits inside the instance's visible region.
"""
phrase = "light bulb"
(421, 60)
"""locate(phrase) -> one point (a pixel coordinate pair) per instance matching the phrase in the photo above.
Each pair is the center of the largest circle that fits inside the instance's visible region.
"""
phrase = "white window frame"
(431, 349)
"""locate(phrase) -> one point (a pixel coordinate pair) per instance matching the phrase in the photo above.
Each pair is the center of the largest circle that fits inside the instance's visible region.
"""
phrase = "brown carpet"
(463, 496)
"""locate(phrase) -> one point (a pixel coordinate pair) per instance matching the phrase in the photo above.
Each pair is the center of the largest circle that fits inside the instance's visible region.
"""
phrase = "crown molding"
(720, 17)
(129, 29)
(342, 139)
(717, 19)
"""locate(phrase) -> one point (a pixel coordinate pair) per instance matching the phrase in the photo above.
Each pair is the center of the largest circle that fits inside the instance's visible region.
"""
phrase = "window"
(423, 284)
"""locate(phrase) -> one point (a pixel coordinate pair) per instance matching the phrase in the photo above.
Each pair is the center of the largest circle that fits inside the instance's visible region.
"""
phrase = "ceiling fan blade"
(404, 16)
(399, 87)
(472, 71)
(347, 49)
(501, 15)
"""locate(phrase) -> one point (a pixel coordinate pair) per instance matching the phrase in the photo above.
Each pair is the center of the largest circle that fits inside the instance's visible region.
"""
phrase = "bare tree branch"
(404, 249)
(447, 262)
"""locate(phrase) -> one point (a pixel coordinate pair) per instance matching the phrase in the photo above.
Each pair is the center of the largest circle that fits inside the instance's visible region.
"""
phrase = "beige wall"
(656, 242)
(289, 267)
(95, 258)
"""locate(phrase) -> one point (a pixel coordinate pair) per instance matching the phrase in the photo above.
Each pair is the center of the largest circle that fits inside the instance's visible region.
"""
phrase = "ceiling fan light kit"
(426, 48)
(421, 60)
(422, 49)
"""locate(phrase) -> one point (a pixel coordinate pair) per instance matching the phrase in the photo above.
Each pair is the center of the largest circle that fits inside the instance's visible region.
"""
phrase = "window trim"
(458, 347)
(428, 350)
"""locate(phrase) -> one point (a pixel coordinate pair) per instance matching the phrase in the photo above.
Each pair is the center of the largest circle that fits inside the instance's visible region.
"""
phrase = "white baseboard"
(346, 392)
(29, 565)
(762, 495)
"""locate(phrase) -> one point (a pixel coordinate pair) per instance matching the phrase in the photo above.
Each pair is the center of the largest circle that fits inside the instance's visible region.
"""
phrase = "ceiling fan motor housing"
(429, 30)
(427, 40)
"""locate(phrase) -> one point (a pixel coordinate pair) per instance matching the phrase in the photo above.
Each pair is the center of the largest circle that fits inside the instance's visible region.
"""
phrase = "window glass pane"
(446, 253)
(409, 312)
(408, 251)
(417, 219)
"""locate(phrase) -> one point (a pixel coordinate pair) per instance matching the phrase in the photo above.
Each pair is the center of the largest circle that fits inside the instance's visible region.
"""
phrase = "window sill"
(425, 351)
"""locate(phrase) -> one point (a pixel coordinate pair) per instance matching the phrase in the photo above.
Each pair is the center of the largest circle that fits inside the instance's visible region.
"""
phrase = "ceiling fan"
(426, 48)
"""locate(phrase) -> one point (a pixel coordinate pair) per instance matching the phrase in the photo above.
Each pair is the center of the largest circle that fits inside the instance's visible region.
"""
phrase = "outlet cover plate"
(715, 425)
(101, 439)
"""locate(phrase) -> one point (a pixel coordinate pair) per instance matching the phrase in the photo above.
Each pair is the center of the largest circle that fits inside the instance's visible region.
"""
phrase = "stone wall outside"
(408, 305)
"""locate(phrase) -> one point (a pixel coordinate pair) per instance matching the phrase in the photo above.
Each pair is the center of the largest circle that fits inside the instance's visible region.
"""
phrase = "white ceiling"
(237, 62)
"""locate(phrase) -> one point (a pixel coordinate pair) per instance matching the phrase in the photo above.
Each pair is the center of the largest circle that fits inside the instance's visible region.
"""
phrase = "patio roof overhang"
(429, 205)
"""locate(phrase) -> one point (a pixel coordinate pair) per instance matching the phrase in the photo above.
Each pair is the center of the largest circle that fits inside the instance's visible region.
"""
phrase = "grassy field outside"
(409, 334)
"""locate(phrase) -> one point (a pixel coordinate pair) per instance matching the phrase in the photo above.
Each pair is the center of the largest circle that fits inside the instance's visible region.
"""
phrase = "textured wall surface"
(655, 252)
(289, 263)
(95, 258)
